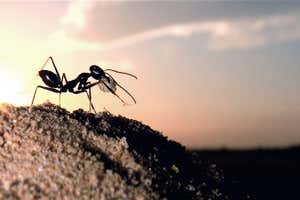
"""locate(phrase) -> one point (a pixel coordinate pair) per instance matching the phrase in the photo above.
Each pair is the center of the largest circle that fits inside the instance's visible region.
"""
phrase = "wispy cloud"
(222, 35)
(218, 34)
(62, 42)
(254, 33)
(75, 16)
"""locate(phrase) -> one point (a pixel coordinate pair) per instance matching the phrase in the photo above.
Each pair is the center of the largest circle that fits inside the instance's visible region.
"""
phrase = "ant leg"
(113, 92)
(90, 99)
(96, 83)
(45, 63)
(45, 88)
(122, 89)
(89, 94)
(90, 90)
(59, 99)
(52, 60)
(63, 77)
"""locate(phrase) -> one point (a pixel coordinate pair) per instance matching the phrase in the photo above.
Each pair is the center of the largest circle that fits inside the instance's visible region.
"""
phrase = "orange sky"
(207, 77)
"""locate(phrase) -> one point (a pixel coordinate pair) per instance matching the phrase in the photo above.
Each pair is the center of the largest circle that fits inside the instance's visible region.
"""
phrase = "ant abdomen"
(50, 78)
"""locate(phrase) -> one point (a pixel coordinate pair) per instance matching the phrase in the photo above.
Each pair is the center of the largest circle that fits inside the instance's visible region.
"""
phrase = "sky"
(211, 74)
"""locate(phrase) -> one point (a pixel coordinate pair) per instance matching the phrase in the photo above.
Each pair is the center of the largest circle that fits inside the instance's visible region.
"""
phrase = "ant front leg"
(90, 98)
(45, 88)
(89, 94)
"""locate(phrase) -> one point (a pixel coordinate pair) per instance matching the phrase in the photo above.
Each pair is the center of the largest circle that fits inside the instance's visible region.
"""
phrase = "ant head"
(96, 72)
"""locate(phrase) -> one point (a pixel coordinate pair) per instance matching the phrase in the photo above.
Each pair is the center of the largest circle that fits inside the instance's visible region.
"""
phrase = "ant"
(60, 84)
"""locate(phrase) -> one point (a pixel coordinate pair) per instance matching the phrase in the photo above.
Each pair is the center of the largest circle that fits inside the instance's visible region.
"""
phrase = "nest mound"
(48, 152)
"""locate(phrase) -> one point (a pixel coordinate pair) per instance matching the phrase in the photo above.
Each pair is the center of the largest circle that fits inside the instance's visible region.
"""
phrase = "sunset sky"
(211, 73)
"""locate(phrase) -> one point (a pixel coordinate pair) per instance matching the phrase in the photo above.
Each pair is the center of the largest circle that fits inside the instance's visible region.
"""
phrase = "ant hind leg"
(45, 88)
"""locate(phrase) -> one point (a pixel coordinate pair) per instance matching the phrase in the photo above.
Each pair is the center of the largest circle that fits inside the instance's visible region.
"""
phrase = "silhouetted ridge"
(162, 156)
(48, 152)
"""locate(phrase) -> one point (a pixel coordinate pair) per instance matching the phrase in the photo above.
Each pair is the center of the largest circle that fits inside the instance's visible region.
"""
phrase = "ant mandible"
(59, 84)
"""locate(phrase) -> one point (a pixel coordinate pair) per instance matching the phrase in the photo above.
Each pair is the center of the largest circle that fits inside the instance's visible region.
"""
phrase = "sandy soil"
(47, 152)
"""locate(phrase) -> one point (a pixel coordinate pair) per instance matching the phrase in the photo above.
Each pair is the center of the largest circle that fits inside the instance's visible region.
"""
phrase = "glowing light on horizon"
(11, 87)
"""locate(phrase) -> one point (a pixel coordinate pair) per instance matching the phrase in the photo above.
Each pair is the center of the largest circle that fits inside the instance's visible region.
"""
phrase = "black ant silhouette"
(59, 84)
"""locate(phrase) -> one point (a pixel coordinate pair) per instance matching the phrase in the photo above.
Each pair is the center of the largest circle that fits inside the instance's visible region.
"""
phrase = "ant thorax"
(81, 82)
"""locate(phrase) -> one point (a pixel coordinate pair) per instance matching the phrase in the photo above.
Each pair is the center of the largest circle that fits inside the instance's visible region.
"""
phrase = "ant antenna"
(122, 88)
(122, 73)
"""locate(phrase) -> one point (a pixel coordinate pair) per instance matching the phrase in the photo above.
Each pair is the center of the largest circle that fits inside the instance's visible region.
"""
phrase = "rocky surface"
(47, 152)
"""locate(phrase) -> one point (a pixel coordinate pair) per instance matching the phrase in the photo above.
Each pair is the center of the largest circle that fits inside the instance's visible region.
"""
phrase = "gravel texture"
(47, 152)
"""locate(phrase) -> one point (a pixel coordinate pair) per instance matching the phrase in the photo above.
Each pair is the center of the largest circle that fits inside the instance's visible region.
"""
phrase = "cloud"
(107, 21)
(60, 42)
(75, 16)
(78, 32)
(253, 33)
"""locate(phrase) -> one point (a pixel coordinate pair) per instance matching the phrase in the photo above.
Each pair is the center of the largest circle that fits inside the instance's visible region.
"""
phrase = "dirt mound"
(48, 152)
